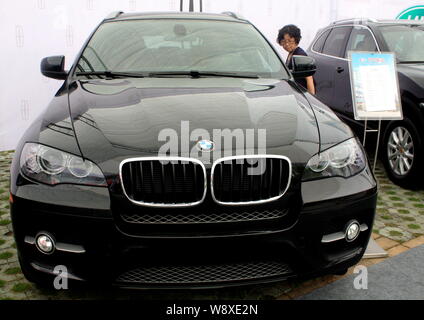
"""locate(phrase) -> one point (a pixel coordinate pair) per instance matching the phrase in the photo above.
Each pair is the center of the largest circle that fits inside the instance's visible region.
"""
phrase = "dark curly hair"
(292, 31)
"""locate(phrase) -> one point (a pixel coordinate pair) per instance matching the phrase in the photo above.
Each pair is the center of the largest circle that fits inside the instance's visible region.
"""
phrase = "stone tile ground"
(400, 212)
(399, 225)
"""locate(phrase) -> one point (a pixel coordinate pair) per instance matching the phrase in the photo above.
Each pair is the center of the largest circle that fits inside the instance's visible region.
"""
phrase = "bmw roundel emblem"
(205, 145)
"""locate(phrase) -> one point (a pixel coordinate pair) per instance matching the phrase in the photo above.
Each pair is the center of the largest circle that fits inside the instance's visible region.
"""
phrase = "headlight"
(344, 160)
(52, 166)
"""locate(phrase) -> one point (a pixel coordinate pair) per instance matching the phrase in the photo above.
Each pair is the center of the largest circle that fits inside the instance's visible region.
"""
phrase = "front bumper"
(110, 255)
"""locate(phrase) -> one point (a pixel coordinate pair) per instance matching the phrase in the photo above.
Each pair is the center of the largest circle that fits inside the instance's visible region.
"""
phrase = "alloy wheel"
(400, 151)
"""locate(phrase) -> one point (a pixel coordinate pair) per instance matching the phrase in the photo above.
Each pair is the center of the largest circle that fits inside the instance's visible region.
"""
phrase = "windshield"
(171, 45)
(406, 41)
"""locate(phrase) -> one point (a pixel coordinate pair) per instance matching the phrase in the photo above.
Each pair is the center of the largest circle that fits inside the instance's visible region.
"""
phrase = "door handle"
(340, 70)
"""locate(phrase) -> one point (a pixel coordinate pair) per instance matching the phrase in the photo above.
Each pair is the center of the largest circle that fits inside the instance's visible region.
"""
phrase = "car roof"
(375, 22)
(225, 16)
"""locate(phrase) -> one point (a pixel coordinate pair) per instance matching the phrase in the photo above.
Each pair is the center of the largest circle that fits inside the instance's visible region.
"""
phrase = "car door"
(322, 77)
(338, 67)
(361, 39)
(330, 57)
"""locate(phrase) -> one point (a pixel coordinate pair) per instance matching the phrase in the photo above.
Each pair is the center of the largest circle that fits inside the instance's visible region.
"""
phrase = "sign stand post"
(375, 90)
(375, 93)
(366, 130)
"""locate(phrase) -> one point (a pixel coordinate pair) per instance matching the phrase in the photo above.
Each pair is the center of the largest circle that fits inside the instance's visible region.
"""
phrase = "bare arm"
(310, 85)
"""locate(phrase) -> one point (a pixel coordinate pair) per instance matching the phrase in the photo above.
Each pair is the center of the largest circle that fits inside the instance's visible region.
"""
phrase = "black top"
(297, 52)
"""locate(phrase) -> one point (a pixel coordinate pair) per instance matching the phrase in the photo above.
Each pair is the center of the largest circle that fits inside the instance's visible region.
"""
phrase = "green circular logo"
(413, 13)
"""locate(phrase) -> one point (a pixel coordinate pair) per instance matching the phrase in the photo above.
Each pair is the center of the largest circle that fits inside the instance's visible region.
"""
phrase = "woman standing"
(289, 37)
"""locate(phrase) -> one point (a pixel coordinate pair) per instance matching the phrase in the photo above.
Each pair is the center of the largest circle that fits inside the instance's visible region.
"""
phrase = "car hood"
(413, 71)
(120, 118)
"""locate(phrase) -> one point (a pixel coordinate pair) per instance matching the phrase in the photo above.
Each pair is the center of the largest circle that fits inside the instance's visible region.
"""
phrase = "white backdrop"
(33, 29)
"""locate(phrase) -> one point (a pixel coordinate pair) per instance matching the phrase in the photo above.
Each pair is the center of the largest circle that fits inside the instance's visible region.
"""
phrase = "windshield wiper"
(198, 74)
(111, 74)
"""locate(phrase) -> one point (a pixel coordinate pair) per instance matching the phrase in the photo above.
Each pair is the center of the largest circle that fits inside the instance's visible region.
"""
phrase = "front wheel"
(402, 153)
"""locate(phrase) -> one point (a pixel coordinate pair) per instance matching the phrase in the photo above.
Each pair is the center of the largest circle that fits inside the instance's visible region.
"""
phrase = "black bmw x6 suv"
(180, 152)
(402, 143)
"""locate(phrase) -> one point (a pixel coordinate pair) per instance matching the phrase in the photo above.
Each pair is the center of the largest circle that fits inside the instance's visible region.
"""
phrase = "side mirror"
(303, 67)
(53, 67)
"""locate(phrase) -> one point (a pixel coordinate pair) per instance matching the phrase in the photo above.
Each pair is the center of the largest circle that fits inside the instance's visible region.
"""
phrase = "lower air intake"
(202, 274)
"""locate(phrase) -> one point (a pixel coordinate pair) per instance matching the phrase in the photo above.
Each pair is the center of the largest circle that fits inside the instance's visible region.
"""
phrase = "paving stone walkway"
(399, 226)
(400, 212)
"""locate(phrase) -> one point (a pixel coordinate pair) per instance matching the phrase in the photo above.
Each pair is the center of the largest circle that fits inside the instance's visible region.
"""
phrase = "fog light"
(45, 243)
(352, 231)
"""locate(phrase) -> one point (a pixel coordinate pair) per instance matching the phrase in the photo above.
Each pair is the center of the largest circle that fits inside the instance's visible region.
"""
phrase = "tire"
(403, 159)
